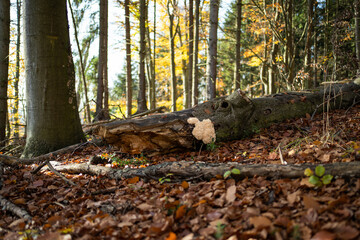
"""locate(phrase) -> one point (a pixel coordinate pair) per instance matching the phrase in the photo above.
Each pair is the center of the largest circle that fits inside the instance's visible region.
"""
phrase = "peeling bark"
(234, 117)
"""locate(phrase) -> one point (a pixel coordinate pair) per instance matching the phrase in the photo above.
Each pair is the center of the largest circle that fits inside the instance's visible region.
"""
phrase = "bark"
(195, 78)
(17, 71)
(4, 63)
(357, 30)
(150, 71)
(212, 50)
(142, 83)
(172, 57)
(308, 82)
(234, 117)
(9, 206)
(237, 74)
(198, 171)
(191, 54)
(102, 96)
(52, 118)
(128, 60)
(82, 67)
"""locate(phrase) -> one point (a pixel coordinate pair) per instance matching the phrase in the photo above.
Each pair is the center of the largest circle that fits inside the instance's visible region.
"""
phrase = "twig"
(59, 174)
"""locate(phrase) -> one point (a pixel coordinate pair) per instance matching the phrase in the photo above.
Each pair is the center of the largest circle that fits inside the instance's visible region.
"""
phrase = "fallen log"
(189, 170)
(232, 117)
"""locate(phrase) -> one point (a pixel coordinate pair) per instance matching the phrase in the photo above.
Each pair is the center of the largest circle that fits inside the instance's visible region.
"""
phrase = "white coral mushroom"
(203, 130)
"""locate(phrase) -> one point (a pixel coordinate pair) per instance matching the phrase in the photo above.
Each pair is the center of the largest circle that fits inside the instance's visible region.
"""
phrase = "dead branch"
(9, 206)
(187, 170)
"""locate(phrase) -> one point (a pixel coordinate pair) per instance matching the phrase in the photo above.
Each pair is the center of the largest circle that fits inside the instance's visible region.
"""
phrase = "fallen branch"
(15, 161)
(9, 206)
(188, 170)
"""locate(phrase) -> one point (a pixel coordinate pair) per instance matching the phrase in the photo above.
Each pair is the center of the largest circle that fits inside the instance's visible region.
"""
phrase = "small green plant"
(211, 146)
(234, 171)
(166, 178)
(219, 230)
(318, 179)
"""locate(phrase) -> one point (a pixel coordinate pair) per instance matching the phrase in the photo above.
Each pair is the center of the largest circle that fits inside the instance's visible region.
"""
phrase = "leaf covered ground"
(250, 208)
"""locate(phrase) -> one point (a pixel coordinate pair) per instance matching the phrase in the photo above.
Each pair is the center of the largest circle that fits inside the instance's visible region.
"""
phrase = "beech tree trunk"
(195, 71)
(128, 60)
(52, 117)
(212, 50)
(234, 117)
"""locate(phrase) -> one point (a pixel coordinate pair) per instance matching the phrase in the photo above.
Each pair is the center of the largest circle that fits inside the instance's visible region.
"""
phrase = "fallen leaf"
(38, 183)
(133, 180)
(180, 212)
(310, 202)
(20, 201)
(293, 197)
(231, 194)
(323, 235)
(185, 184)
(260, 222)
(172, 236)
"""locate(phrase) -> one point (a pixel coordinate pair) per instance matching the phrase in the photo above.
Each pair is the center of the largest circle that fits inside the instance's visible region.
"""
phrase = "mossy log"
(234, 117)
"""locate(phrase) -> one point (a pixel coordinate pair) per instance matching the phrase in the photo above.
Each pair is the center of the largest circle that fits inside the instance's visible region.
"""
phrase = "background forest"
(163, 47)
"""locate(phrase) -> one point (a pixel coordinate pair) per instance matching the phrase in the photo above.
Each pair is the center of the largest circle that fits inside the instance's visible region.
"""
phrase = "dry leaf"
(172, 236)
(180, 212)
(293, 197)
(133, 180)
(185, 184)
(260, 222)
(310, 202)
(231, 194)
(323, 235)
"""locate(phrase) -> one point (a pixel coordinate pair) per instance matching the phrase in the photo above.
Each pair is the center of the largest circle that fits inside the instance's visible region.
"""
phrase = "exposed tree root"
(9, 206)
(189, 170)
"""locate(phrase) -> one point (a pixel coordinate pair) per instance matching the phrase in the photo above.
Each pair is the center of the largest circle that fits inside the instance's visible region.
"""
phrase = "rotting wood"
(189, 170)
(234, 117)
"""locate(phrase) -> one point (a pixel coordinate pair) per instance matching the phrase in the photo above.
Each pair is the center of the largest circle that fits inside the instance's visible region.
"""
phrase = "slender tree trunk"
(188, 91)
(149, 66)
(17, 70)
(82, 68)
(4, 64)
(273, 54)
(326, 38)
(211, 69)
(153, 85)
(102, 99)
(128, 60)
(237, 75)
(105, 66)
(172, 58)
(310, 5)
(264, 64)
(52, 117)
(142, 81)
(315, 77)
(195, 71)
(357, 31)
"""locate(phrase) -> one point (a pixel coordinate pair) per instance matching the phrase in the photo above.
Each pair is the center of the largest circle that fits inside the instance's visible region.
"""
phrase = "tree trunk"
(17, 71)
(233, 117)
(142, 83)
(212, 50)
(102, 97)
(172, 58)
(150, 73)
(307, 82)
(195, 81)
(52, 118)
(4, 64)
(237, 74)
(82, 67)
(128, 60)
(191, 53)
(357, 30)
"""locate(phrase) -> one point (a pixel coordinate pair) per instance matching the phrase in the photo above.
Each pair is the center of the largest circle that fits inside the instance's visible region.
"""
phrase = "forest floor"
(251, 208)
